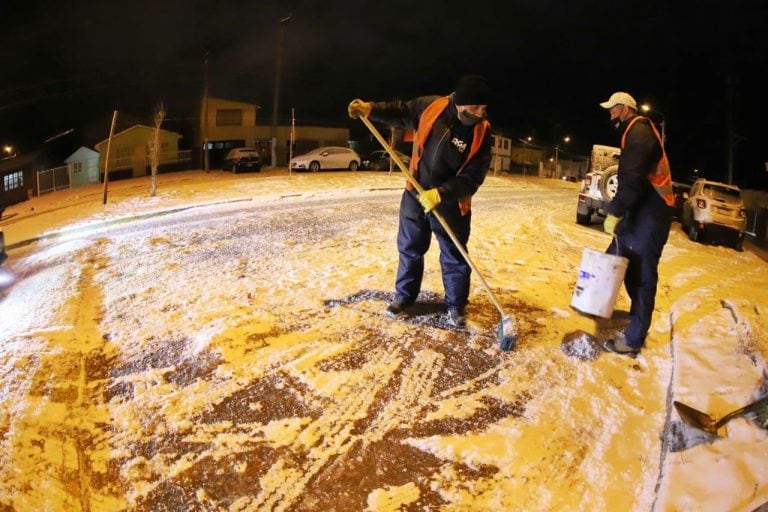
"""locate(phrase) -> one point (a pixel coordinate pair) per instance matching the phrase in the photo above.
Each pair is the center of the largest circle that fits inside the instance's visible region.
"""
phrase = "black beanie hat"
(472, 90)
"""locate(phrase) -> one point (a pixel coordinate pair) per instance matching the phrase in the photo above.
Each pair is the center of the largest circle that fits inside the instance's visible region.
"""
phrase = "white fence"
(166, 158)
(58, 178)
(51, 180)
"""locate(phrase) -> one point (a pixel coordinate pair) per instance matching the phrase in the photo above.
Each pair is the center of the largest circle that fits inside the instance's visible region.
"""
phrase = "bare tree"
(154, 146)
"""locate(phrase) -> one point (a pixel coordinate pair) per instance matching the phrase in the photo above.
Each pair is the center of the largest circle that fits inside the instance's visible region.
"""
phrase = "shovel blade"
(695, 418)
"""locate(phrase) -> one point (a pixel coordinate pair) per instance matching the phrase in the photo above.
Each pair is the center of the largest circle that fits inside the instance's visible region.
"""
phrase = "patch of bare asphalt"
(275, 397)
(373, 453)
(389, 462)
(223, 479)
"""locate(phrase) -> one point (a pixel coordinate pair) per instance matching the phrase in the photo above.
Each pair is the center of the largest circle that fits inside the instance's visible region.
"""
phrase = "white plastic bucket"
(598, 284)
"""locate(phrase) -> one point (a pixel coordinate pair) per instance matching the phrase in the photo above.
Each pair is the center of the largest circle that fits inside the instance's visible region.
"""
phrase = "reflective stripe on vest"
(661, 177)
(426, 122)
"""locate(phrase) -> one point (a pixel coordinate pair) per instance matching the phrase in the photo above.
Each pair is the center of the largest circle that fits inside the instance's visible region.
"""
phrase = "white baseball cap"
(620, 98)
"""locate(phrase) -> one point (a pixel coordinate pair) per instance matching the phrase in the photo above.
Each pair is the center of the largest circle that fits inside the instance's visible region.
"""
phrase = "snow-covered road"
(233, 354)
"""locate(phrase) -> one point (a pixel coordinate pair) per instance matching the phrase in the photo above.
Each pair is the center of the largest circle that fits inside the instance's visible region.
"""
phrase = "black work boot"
(456, 317)
(399, 307)
(619, 345)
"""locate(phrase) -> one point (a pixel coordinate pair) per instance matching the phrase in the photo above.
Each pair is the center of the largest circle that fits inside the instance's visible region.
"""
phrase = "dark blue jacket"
(445, 149)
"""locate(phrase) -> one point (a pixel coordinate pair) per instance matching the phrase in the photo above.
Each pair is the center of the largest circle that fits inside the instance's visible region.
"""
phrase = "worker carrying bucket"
(451, 156)
(639, 217)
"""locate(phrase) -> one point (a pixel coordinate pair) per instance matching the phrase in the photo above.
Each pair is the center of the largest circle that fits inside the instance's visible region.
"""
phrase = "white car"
(329, 157)
(715, 211)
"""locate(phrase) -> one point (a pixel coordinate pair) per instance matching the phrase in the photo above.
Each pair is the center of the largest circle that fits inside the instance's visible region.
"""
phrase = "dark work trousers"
(641, 237)
(413, 239)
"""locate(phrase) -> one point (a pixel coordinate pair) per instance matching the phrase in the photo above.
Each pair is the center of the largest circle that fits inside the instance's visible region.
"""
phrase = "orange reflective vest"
(661, 177)
(426, 122)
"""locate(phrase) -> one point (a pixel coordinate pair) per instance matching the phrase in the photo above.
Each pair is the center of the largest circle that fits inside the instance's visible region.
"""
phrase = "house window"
(506, 143)
(123, 153)
(13, 181)
(77, 167)
(229, 117)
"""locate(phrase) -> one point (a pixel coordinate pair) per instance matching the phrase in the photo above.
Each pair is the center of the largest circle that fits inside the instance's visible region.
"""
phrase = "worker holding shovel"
(452, 154)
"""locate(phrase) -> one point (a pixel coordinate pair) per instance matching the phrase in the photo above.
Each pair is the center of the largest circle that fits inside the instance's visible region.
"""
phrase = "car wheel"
(693, 232)
(583, 218)
(610, 183)
(353, 165)
(314, 166)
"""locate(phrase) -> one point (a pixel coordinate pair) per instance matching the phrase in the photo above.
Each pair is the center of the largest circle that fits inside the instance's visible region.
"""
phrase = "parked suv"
(599, 185)
(597, 190)
(715, 211)
(242, 159)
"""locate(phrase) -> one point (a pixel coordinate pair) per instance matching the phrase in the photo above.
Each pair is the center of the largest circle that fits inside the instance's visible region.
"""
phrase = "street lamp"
(276, 95)
(525, 142)
(9, 151)
(566, 139)
(645, 107)
(204, 114)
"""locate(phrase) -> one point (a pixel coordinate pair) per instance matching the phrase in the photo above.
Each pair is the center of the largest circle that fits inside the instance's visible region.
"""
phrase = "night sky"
(68, 64)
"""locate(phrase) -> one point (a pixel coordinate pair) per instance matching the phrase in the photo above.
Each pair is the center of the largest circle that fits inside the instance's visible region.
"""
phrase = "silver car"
(715, 212)
(328, 157)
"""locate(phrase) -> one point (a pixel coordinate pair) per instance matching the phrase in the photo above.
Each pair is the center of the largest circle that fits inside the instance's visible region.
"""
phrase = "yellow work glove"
(358, 108)
(429, 199)
(611, 221)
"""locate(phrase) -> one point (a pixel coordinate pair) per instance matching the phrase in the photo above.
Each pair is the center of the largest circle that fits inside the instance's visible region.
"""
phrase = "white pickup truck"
(599, 184)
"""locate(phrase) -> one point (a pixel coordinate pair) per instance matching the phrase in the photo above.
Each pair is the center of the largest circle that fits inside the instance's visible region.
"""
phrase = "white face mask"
(470, 114)
(467, 118)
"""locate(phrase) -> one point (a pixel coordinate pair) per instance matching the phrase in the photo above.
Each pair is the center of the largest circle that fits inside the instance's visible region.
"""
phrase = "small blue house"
(83, 167)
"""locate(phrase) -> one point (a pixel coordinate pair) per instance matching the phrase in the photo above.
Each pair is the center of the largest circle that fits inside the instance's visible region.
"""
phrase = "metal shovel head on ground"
(507, 330)
(703, 421)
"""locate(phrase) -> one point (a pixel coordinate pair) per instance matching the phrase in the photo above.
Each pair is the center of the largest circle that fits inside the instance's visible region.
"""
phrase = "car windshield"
(727, 195)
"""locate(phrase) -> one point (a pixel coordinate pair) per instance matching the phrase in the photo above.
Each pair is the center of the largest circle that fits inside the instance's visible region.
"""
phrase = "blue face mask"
(468, 119)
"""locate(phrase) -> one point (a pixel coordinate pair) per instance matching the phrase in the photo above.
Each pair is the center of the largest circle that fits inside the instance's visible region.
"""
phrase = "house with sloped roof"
(130, 151)
(83, 167)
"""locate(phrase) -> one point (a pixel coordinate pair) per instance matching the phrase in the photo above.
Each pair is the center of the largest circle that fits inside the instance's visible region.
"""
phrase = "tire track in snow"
(326, 438)
(414, 394)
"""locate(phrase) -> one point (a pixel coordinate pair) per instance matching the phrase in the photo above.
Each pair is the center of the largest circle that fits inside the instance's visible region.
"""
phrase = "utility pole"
(293, 139)
(731, 138)
(276, 93)
(205, 114)
(525, 147)
(106, 159)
